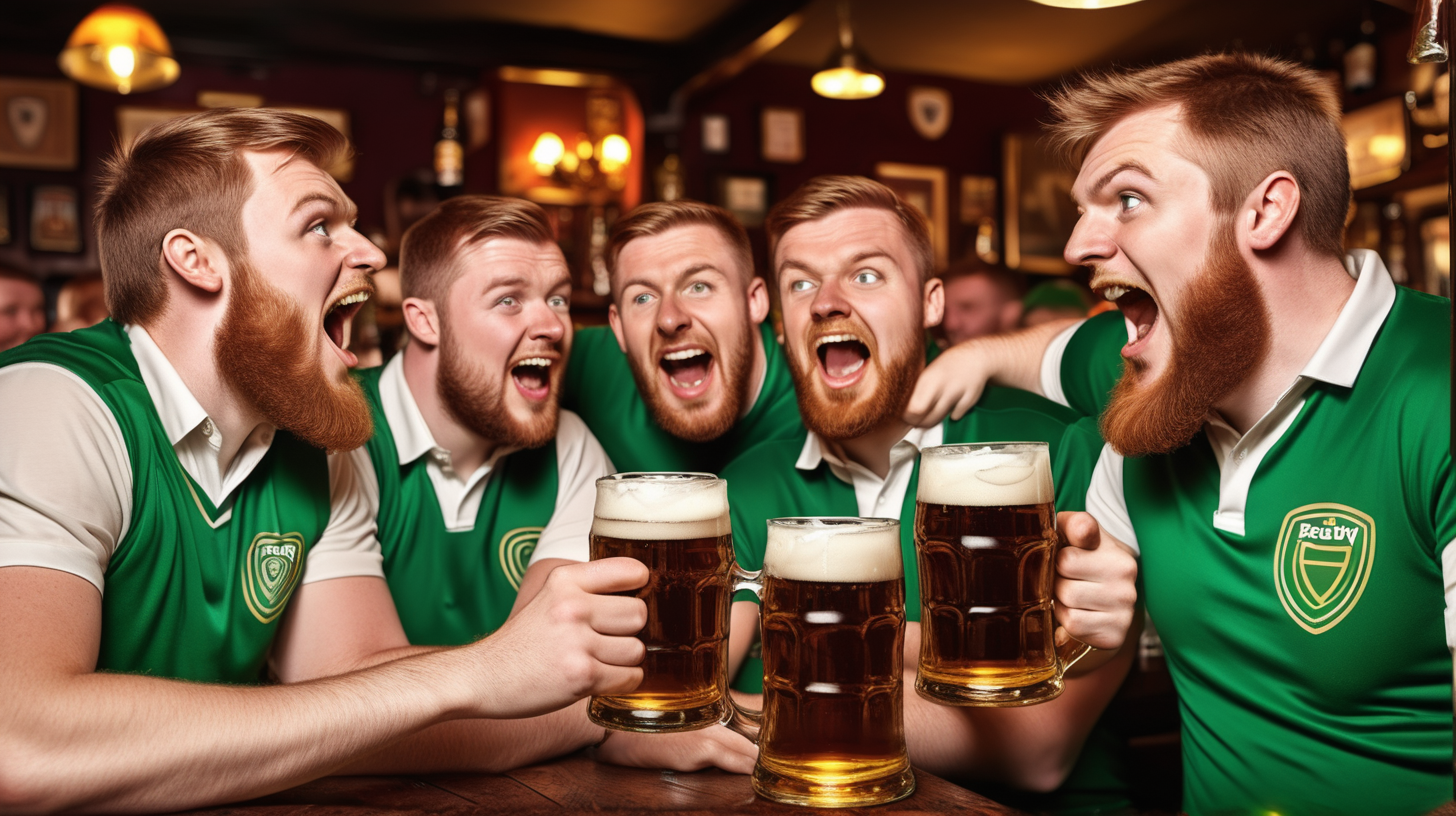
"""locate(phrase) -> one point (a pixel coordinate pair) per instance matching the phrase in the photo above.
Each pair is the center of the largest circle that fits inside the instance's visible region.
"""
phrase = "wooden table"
(577, 784)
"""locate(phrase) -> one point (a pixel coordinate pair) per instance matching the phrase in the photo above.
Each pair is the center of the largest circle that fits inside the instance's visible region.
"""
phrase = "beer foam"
(840, 553)
(661, 508)
(984, 477)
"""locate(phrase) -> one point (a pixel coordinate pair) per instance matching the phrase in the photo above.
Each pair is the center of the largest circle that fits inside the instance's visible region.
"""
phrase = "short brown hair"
(825, 195)
(660, 216)
(1248, 116)
(427, 253)
(189, 173)
(1012, 285)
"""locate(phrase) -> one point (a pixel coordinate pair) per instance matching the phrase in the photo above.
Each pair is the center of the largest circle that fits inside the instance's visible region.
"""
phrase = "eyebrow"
(690, 271)
(341, 205)
(1111, 174)
(790, 263)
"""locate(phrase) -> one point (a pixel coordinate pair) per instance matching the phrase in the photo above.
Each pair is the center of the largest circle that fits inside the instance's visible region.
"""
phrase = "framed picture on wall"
(38, 123)
(55, 223)
(1039, 209)
(923, 188)
(783, 135)
(715, 133)
(746, 195)
(978, 213)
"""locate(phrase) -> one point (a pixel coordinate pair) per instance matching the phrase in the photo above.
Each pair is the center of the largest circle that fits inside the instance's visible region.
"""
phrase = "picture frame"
(924, 188)
(38, 123)
(978, 213)
(715, 133)
(1039, 214)
(1376, 139)
(746, 195)
(783, 135)
(55, 223)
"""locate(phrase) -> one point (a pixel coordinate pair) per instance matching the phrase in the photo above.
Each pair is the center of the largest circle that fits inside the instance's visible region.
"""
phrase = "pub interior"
(591, 108)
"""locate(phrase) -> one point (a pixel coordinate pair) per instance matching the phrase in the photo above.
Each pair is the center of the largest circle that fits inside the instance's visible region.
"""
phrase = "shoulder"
(47, 392)
(575, 442)
(595, 340)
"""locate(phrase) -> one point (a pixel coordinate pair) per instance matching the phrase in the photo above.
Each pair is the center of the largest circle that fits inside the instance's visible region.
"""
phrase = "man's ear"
(199, 262)
(422, 321)
(758, 303)
(1270, 209)
(615, 321)
(934, 302)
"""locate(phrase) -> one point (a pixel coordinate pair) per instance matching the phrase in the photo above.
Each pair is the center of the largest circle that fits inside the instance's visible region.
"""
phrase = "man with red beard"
(707, 378)
(168, 512)
(1276, 409)
(852, 263)
(479, 485)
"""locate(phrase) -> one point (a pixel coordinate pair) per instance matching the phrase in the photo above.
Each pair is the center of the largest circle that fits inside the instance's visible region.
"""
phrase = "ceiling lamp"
(1085, 4)
(119, 48)
(849, 74)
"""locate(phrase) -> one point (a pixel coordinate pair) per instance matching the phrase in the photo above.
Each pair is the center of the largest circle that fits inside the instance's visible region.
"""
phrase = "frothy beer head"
(661, 506)
(1005, 474)
(833, 550)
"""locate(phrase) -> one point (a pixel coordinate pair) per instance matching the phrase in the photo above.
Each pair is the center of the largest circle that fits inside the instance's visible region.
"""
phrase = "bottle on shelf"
(449, 153)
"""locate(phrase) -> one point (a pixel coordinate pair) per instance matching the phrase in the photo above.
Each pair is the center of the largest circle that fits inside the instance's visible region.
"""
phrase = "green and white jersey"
(600, 388)
(1300, 574)
(456, 546)
(110, 471)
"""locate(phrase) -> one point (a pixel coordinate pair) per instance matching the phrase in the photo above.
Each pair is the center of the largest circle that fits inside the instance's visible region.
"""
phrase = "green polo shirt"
(599, 387)
(1296, 572)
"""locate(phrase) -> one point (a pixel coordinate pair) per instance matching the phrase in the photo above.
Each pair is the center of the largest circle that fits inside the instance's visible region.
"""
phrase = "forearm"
(128, 743)
(484, 746)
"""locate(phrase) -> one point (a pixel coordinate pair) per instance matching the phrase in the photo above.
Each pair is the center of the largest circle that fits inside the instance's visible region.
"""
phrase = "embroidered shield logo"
(270, 573)
(27, 117)
(1322, 563)
(516, 547)
(929, 111)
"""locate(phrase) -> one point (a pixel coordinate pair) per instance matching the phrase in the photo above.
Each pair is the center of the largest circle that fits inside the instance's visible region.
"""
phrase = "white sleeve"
(1448, 572)
(349, 545)
(1106, 501)
(1051, 364)
(580, 461)
(65, 473)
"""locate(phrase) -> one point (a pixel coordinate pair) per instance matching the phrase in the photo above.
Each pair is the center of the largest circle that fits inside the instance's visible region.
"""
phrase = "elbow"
(1043, 777)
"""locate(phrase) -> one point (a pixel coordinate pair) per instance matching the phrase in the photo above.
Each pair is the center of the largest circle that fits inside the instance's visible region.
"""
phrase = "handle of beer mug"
(1070, 651)
(743, 720)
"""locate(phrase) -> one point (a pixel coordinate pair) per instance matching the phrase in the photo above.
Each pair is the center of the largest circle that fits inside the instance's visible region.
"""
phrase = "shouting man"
(168, 513)
(687, 327)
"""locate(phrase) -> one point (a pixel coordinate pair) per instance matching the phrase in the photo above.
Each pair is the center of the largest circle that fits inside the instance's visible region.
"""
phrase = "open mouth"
(842, 358)
(337, 323)
(533, 377)
(688, 371)
(1140, 312)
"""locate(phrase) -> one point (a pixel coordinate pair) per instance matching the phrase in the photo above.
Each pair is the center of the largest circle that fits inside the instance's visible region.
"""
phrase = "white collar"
(178, 409)
(814, 452)
(1342, 353)
(412, 437)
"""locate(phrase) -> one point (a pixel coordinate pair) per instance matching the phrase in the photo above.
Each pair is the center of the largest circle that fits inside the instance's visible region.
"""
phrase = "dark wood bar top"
(577, 784)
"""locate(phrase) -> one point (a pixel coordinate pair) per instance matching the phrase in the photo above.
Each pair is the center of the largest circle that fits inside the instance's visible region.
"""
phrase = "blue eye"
(321, 229)
(1129, 201)
(557, 302)
(867, 276)
(642, 299)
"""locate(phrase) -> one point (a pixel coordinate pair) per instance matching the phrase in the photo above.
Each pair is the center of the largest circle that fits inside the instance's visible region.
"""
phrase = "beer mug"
(831, 732)
(986, 543)
(677, 524)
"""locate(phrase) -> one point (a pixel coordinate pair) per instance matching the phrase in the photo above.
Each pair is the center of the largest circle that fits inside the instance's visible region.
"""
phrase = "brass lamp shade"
(849, 75)
(119, 48)
(1085, 4)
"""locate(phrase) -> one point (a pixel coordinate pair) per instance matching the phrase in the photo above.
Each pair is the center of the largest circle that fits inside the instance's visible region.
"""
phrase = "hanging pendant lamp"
(849, 74)
(1085, 4)
(119, 48)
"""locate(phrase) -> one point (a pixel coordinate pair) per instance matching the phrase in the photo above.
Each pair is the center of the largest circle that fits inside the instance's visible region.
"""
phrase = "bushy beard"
(697, 422)
(478, 401)
(262, 351)
(849, 413)
(1220, 335)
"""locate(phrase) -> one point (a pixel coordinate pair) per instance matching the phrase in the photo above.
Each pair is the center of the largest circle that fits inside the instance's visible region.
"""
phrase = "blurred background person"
(22, 308)
(81, 303)
(980, 299)
(1054, 300)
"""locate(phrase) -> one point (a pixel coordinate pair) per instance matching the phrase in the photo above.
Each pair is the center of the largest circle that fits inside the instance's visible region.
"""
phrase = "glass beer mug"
(833, 627)
(986, 543)
(677, 524)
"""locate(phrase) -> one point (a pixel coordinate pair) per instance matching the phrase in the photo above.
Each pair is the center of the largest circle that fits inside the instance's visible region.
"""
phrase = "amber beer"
(985, 539)
(677, 524)
(833, 594)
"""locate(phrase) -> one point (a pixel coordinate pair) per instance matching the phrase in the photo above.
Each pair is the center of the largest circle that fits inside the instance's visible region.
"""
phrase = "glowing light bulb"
(547, 152)
(122, 60)
(615, 153)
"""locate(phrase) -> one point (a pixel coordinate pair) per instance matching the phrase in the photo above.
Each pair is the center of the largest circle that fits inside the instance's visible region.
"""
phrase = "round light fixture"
(849, 74)
(1085, 4)
(119, 48)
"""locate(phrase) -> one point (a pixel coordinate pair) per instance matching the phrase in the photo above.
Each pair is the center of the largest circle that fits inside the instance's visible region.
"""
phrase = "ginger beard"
(697, 420)
(478, 401)
(1221, 334)
(847, 413)
(261, 349)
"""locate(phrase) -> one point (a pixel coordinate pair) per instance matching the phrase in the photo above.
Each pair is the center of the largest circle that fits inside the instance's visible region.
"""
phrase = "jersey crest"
(270, 573)
(1322, 563)
(516, 547)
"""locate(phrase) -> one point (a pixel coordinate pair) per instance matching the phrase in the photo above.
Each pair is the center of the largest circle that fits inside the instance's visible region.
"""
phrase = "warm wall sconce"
(1085, 4)
(119, 48)
(587, 165)
(848, 74)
